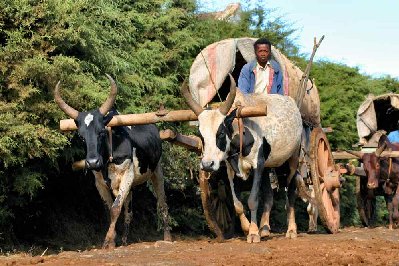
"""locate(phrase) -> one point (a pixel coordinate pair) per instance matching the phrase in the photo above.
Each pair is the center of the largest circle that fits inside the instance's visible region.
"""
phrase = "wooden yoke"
(164, 116)
(193, 143)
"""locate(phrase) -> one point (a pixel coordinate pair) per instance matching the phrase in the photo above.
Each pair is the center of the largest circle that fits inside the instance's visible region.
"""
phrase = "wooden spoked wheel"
(326, 180)
(366, 202)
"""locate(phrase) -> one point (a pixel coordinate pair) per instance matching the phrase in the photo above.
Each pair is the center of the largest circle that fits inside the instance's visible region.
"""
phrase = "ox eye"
(221, 136)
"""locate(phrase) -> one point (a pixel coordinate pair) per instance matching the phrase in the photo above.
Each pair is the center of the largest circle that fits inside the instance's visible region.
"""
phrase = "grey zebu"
(128, 157)
(267, 142)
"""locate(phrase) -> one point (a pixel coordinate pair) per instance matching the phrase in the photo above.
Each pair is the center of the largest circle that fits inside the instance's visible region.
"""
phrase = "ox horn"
(380, 149)
(358, 154)
(107, 105)
(197, 109)
(72, 113)
(225, 108)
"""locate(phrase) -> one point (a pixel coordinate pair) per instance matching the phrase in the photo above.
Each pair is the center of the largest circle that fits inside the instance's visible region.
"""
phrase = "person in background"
(262, 75)
(393, 136)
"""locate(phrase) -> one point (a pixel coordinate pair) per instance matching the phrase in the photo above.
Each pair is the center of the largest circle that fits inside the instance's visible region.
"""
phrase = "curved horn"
(225, 108)
(358, 154)
(107, 105)
(380, 149)
(72, 113)
(197, 109)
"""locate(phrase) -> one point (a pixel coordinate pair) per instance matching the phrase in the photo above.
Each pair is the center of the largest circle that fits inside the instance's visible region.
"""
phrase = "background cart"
(376, 116)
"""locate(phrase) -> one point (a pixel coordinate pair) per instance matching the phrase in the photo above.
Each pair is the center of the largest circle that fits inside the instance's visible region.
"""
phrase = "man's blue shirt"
(393, 136)
(246, 81)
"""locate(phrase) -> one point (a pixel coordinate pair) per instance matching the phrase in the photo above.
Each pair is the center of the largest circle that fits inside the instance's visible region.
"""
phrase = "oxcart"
(376, 116)
(320, 176)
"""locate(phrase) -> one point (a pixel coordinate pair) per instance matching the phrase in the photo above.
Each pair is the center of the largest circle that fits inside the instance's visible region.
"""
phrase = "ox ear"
(230, 117)
(108, 117)
(228, 121)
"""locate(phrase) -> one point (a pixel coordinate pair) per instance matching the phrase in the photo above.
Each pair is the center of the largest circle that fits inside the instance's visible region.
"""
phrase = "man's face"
(262, 52)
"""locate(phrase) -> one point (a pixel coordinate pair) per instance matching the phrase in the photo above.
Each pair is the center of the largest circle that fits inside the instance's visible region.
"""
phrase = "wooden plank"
(164, 116)
(191, 142)
(341, 155)
(392, 154)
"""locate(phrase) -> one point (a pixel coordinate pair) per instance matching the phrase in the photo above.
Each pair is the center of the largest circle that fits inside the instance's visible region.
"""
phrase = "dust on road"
(351, 246)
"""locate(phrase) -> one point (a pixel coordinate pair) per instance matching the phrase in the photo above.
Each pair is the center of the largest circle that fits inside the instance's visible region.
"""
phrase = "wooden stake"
(305, 75)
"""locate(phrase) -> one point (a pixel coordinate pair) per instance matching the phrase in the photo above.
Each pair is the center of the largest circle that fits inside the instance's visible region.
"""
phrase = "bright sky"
(362, 33)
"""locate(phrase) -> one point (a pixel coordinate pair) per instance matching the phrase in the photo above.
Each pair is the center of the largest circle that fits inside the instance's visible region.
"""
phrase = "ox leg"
(313, 213)
(103, 189)
(128, 217)
(239, 208)
(253, 202)
(388, 200)
(395, 205)
(265, 220)
(158, 183)
(125, 173)
(291, 197)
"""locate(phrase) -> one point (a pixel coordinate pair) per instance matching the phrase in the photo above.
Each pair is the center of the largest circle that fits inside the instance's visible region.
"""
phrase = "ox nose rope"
(109, 129)
(240, 124)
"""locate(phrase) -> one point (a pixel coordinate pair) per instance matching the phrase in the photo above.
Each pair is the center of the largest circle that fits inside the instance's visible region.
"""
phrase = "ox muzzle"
(94, 163)
(372, 184)
(210, 165)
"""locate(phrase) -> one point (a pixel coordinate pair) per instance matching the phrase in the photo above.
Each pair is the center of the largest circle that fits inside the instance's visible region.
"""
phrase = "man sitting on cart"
(262, 75)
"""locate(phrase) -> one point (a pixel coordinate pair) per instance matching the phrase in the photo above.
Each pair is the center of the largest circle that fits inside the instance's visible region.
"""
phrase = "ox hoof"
(265, 232)
(108, 245)
(312, 231)
(253, 238)
(124, 241)
(167, 237)
(291, 234)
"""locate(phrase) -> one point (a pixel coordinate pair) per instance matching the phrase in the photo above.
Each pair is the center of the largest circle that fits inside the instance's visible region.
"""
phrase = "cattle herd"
(122, 157)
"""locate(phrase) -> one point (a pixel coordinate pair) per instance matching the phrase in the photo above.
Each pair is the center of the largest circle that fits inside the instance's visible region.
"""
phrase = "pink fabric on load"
(286, 81)
(212, 68)
(269, 86)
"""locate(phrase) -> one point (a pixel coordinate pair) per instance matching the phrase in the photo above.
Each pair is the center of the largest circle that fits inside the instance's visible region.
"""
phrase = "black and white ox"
(128, 157)
(267, 141)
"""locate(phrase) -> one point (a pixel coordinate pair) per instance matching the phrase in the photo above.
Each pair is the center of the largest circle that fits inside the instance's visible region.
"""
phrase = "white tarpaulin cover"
(366, 119)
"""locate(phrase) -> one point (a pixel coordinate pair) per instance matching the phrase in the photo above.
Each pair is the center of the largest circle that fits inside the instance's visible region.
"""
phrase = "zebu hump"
(282, 127)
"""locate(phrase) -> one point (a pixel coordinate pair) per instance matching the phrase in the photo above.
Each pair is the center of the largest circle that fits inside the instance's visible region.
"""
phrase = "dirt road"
(352, 246)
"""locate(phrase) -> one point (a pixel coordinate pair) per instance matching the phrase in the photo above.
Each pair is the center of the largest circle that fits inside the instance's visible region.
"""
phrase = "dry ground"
(351, 246)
